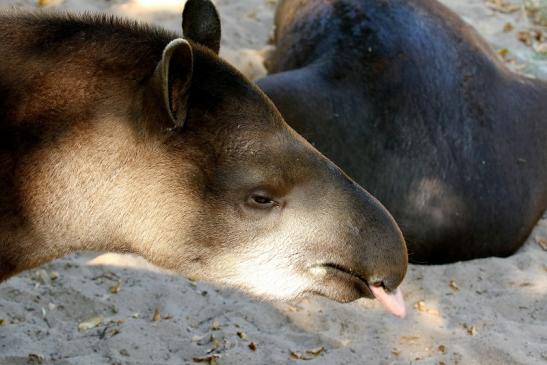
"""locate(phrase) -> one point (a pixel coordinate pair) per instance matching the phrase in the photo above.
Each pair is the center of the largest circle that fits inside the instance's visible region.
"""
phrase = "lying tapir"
(122, 137)
(413, 104)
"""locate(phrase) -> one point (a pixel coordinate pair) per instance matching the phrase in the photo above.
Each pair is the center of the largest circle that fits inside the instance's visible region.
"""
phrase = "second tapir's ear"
(173, 77)
(201, 23)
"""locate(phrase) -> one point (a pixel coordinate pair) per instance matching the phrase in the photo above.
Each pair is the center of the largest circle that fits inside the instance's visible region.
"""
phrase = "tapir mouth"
(345, 274)
(354, 286)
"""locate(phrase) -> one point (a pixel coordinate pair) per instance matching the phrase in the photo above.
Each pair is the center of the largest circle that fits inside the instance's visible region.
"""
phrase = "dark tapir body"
(414, 105)
(117, 136)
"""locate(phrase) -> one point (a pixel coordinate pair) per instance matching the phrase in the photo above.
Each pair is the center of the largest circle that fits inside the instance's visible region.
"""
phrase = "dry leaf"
(316, 351)
(421, 307)
(210, 359)
(198, 338)
(41, 276)
(508, 27)
(242, 335)
(503, 52)
(308, 354)
(537, 11)
(90, 323)
(542, 242)
(442, 348)
(471, 330)
(215, 326)
(157, 315)
(525, 37)
(115, 289)
(252, 346)
(410, 339)
(502, 6)
(35, 359)
(452, 284)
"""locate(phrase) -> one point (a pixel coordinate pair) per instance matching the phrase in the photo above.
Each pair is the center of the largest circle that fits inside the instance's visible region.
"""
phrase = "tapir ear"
(173, 77)
(201, 23)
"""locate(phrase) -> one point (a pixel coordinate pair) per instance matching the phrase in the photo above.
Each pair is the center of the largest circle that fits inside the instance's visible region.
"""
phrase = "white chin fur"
(268, 278)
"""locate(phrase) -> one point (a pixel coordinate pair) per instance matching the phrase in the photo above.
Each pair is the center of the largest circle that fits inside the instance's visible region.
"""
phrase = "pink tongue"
(393, 302)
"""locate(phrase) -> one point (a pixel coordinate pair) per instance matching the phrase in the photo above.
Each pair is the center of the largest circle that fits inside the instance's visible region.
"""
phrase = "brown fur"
(89, 159)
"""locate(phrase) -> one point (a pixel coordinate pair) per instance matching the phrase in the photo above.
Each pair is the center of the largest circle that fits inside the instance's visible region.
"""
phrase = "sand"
(490, 311)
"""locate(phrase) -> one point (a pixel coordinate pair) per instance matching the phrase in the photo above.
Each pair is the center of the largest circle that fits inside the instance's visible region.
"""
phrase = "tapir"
(414, 105)
(124, 137)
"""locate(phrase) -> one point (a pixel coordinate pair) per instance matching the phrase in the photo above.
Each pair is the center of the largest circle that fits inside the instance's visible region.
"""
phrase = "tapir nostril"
(383, 285)
(388, 283)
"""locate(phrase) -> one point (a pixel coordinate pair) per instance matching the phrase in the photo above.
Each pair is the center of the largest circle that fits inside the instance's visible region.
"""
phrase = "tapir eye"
(261, 201)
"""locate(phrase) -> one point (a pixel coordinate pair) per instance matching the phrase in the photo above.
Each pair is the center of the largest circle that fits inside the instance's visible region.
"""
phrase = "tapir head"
(248, 202)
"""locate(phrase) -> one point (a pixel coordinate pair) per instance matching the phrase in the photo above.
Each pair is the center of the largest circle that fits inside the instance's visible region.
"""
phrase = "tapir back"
(426, 118)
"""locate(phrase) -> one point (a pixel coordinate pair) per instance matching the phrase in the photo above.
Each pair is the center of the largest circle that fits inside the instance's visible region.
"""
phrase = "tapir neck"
(97, 186)
(63, 192)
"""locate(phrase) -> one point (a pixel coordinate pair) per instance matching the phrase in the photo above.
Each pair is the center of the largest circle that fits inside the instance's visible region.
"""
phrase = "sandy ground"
(491, 311)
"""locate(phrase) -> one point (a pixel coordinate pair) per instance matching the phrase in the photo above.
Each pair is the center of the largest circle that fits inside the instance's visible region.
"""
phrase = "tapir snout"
(369, 244)
(326, 234)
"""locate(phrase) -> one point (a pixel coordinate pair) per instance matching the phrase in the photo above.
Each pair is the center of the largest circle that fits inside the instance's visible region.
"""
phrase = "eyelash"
(261, 201)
